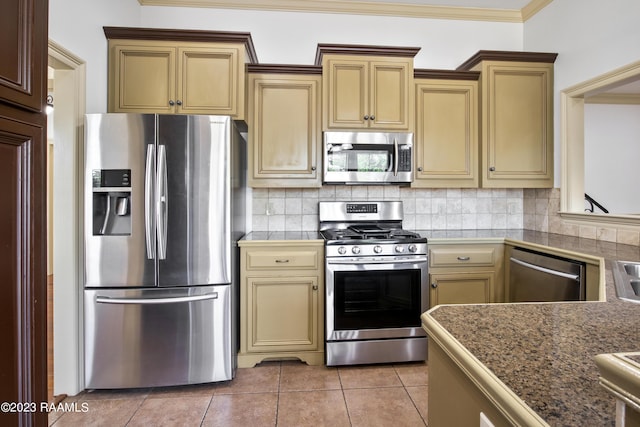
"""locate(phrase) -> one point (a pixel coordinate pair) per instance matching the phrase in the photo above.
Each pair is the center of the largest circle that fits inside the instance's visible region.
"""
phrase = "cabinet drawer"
(266, 260)
(449, 257)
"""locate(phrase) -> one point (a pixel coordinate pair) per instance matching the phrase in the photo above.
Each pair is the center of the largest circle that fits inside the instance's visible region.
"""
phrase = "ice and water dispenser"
(111, 202)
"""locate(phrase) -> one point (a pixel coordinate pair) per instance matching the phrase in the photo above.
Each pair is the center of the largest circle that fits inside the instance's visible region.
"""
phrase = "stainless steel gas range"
(376, 284)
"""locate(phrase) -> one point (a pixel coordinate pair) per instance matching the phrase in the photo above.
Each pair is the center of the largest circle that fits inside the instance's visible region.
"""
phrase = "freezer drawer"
(158, 337)
(534, 276)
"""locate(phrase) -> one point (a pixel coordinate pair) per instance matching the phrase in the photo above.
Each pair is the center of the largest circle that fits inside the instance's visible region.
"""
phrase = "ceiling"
(481, 10)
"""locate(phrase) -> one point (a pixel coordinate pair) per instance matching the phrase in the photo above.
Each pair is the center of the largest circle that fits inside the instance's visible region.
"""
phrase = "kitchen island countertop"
(542, 354)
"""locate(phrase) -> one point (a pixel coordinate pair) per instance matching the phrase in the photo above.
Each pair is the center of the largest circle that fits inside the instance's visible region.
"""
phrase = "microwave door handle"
(395, 157)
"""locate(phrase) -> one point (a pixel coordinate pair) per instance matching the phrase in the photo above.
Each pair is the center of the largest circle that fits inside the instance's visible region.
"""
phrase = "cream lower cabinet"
(281, 302)
(455, 399)
(447, 134)
(285, 136)
(466, 273)
(517, 118)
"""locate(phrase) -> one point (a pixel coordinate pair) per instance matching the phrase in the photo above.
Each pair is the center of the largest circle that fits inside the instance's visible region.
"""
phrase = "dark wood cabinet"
(23, 69)
(23, 294)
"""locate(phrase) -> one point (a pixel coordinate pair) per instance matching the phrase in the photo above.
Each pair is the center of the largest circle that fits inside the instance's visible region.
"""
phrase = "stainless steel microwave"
(368, 158)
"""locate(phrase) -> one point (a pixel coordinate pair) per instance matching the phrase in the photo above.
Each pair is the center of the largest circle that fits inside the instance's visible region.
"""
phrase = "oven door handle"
(362, 261)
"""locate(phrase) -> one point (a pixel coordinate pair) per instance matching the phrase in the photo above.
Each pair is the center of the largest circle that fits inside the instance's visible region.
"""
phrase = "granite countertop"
(544, 352)
(271, 236)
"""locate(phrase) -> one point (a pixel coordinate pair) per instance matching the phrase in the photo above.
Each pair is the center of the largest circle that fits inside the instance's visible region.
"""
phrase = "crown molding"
(358, 7)
(532, 8)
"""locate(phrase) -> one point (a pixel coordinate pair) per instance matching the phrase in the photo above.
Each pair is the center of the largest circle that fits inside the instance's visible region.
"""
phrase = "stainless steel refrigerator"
(164, 209)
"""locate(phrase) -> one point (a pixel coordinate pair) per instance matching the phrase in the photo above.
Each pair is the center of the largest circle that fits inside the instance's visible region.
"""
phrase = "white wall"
(77, 25)
(591, 37)
(292, 38)
(611, 153)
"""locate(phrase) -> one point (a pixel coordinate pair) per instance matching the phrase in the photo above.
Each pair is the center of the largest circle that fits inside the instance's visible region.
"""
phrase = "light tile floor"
(284, 393)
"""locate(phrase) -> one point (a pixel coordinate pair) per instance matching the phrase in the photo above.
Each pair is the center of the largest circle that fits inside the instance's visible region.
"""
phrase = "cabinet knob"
(464, 258)
(313, 168)
(179, 102)
(434, 285)
(372, 118)
(492, 169)
(366, 117)
(282, 261)
(171, 102)
(315, 287)
(419, 168)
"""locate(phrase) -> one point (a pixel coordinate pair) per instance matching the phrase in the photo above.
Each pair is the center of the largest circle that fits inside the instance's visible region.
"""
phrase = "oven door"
(374, 298)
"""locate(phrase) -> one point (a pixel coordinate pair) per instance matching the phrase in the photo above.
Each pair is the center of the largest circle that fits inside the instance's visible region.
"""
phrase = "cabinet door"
(208, 80)
(517, 125)
(282, 313)
(446, 143)
(461, 288)
(347, 94)
(142, 79)
(284, 145)
(23, 267)
(23, 47)
(389, 95)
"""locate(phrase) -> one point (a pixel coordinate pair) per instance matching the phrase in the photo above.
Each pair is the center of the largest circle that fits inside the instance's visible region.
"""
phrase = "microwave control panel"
(404, 160)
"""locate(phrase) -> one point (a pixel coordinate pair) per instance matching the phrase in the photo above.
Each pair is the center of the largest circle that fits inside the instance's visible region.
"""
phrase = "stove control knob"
(399, 249)
(355, 250)
(413, 248)
(342, 250)
(377, 249)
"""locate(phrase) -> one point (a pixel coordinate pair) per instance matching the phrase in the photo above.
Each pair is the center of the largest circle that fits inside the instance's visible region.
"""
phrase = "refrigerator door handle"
(143, 301)
(162, 202)
(148, 201)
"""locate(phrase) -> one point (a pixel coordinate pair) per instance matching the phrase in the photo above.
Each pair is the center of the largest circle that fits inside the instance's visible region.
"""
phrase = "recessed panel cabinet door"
(463, 288)
(517, 125)
(389, 104)
(208, 80)
(348, 97)
(22, 41)
(284, 144)
(23, 292)
(446, 137)
(142, 79)
(282, 313)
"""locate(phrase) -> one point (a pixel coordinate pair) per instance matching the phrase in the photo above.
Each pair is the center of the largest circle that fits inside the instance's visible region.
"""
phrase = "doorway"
(65, 143)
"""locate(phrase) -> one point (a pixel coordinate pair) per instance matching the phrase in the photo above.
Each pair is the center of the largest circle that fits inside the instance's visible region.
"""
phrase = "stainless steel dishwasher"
(534, 276)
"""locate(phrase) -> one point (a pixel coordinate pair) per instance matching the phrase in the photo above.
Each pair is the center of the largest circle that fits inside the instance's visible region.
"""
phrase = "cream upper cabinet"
(446, 129)
(517, 118)
(368, 88)
(147, 75)
(284, 118)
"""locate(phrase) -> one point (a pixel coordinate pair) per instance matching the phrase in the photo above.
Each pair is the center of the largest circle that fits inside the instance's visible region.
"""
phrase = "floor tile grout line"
(278, 395)
(137, 409)
(344, 397)
(206, 411)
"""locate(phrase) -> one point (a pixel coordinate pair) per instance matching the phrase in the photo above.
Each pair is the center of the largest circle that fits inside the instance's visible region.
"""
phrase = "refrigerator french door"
(160, 249)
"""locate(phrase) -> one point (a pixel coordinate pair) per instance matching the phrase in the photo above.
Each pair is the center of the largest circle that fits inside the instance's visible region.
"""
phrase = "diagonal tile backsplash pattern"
(277, 209)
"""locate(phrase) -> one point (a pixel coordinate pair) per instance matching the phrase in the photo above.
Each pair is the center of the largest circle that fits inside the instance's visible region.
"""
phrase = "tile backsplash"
(277, 209)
